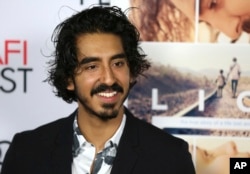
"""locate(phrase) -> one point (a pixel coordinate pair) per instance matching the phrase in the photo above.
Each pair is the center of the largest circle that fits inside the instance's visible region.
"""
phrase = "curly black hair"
(97, 19)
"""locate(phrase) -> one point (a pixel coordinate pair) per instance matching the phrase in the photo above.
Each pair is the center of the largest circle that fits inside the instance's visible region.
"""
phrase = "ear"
(132, 82)
(71, 85)
(132, 79)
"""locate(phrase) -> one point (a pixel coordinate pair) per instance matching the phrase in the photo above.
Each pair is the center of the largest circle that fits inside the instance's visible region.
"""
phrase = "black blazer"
(143, 149)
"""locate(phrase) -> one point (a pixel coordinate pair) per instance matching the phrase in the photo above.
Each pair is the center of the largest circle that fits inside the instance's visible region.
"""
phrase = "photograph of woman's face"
(228, 16)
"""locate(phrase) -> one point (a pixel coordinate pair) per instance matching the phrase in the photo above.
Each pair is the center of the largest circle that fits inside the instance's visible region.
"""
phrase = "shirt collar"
(115, 139)
(79, 140)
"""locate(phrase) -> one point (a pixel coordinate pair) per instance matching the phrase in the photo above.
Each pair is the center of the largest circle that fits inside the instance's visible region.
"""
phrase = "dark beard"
(104, 115)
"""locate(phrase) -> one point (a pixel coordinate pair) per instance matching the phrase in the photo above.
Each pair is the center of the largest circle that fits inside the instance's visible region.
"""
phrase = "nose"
(108, 76)
(229, 148)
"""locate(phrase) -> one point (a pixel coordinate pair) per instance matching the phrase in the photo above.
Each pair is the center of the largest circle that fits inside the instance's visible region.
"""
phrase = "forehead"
(97, 38)
(95, 44)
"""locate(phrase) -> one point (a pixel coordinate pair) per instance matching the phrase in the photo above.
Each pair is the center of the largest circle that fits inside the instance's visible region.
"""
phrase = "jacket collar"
(127, 152)
(61, 155)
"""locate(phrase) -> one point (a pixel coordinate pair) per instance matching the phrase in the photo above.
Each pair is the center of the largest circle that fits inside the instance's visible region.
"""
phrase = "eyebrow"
(86, 60)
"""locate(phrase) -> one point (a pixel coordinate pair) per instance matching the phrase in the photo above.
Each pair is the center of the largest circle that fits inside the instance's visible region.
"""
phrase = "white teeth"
(107, 94)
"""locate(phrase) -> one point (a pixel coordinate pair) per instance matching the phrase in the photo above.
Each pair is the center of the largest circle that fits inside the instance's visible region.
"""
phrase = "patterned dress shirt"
(84, 152)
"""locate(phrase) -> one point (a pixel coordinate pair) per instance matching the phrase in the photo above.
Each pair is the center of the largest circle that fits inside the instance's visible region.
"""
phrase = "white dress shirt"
(84, 152)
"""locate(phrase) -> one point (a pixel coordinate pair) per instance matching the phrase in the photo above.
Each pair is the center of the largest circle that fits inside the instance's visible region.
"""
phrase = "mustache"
(103, 87)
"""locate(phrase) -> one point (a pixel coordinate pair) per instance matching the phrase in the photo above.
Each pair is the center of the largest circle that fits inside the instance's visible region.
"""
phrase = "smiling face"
(228, 16)
(102, 79)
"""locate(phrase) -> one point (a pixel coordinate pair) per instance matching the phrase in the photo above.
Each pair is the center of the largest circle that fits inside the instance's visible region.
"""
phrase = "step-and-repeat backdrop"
(189, 44)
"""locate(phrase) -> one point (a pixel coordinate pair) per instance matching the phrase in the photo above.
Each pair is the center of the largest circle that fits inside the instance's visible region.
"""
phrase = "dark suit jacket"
(143, 149)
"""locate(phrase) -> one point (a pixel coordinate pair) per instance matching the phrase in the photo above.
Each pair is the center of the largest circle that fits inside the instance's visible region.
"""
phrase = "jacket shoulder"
(150, 134)
(46, 131)
(158, 135)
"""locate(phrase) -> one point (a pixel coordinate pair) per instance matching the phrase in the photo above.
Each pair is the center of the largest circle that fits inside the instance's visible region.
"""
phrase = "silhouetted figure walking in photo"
(234, 75)
(220, 82)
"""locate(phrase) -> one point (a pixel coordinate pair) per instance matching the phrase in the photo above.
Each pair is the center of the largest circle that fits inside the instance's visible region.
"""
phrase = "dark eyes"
(90, 67)
(94, 66)
(120, 63)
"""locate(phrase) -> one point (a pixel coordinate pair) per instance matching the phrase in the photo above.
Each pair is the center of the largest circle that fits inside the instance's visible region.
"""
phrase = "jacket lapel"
(127, 152)
(61, 154)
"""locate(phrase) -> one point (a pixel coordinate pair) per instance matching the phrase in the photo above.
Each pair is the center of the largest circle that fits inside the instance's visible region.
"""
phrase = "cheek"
(84, 83)
(237, 8)
(129, 79)
(123, 76)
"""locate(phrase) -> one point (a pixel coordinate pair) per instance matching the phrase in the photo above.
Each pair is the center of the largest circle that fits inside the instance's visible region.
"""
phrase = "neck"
(96, 130)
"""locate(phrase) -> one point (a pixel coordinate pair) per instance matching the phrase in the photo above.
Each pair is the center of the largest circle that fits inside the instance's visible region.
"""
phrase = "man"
(234, 74)
(97, 61)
